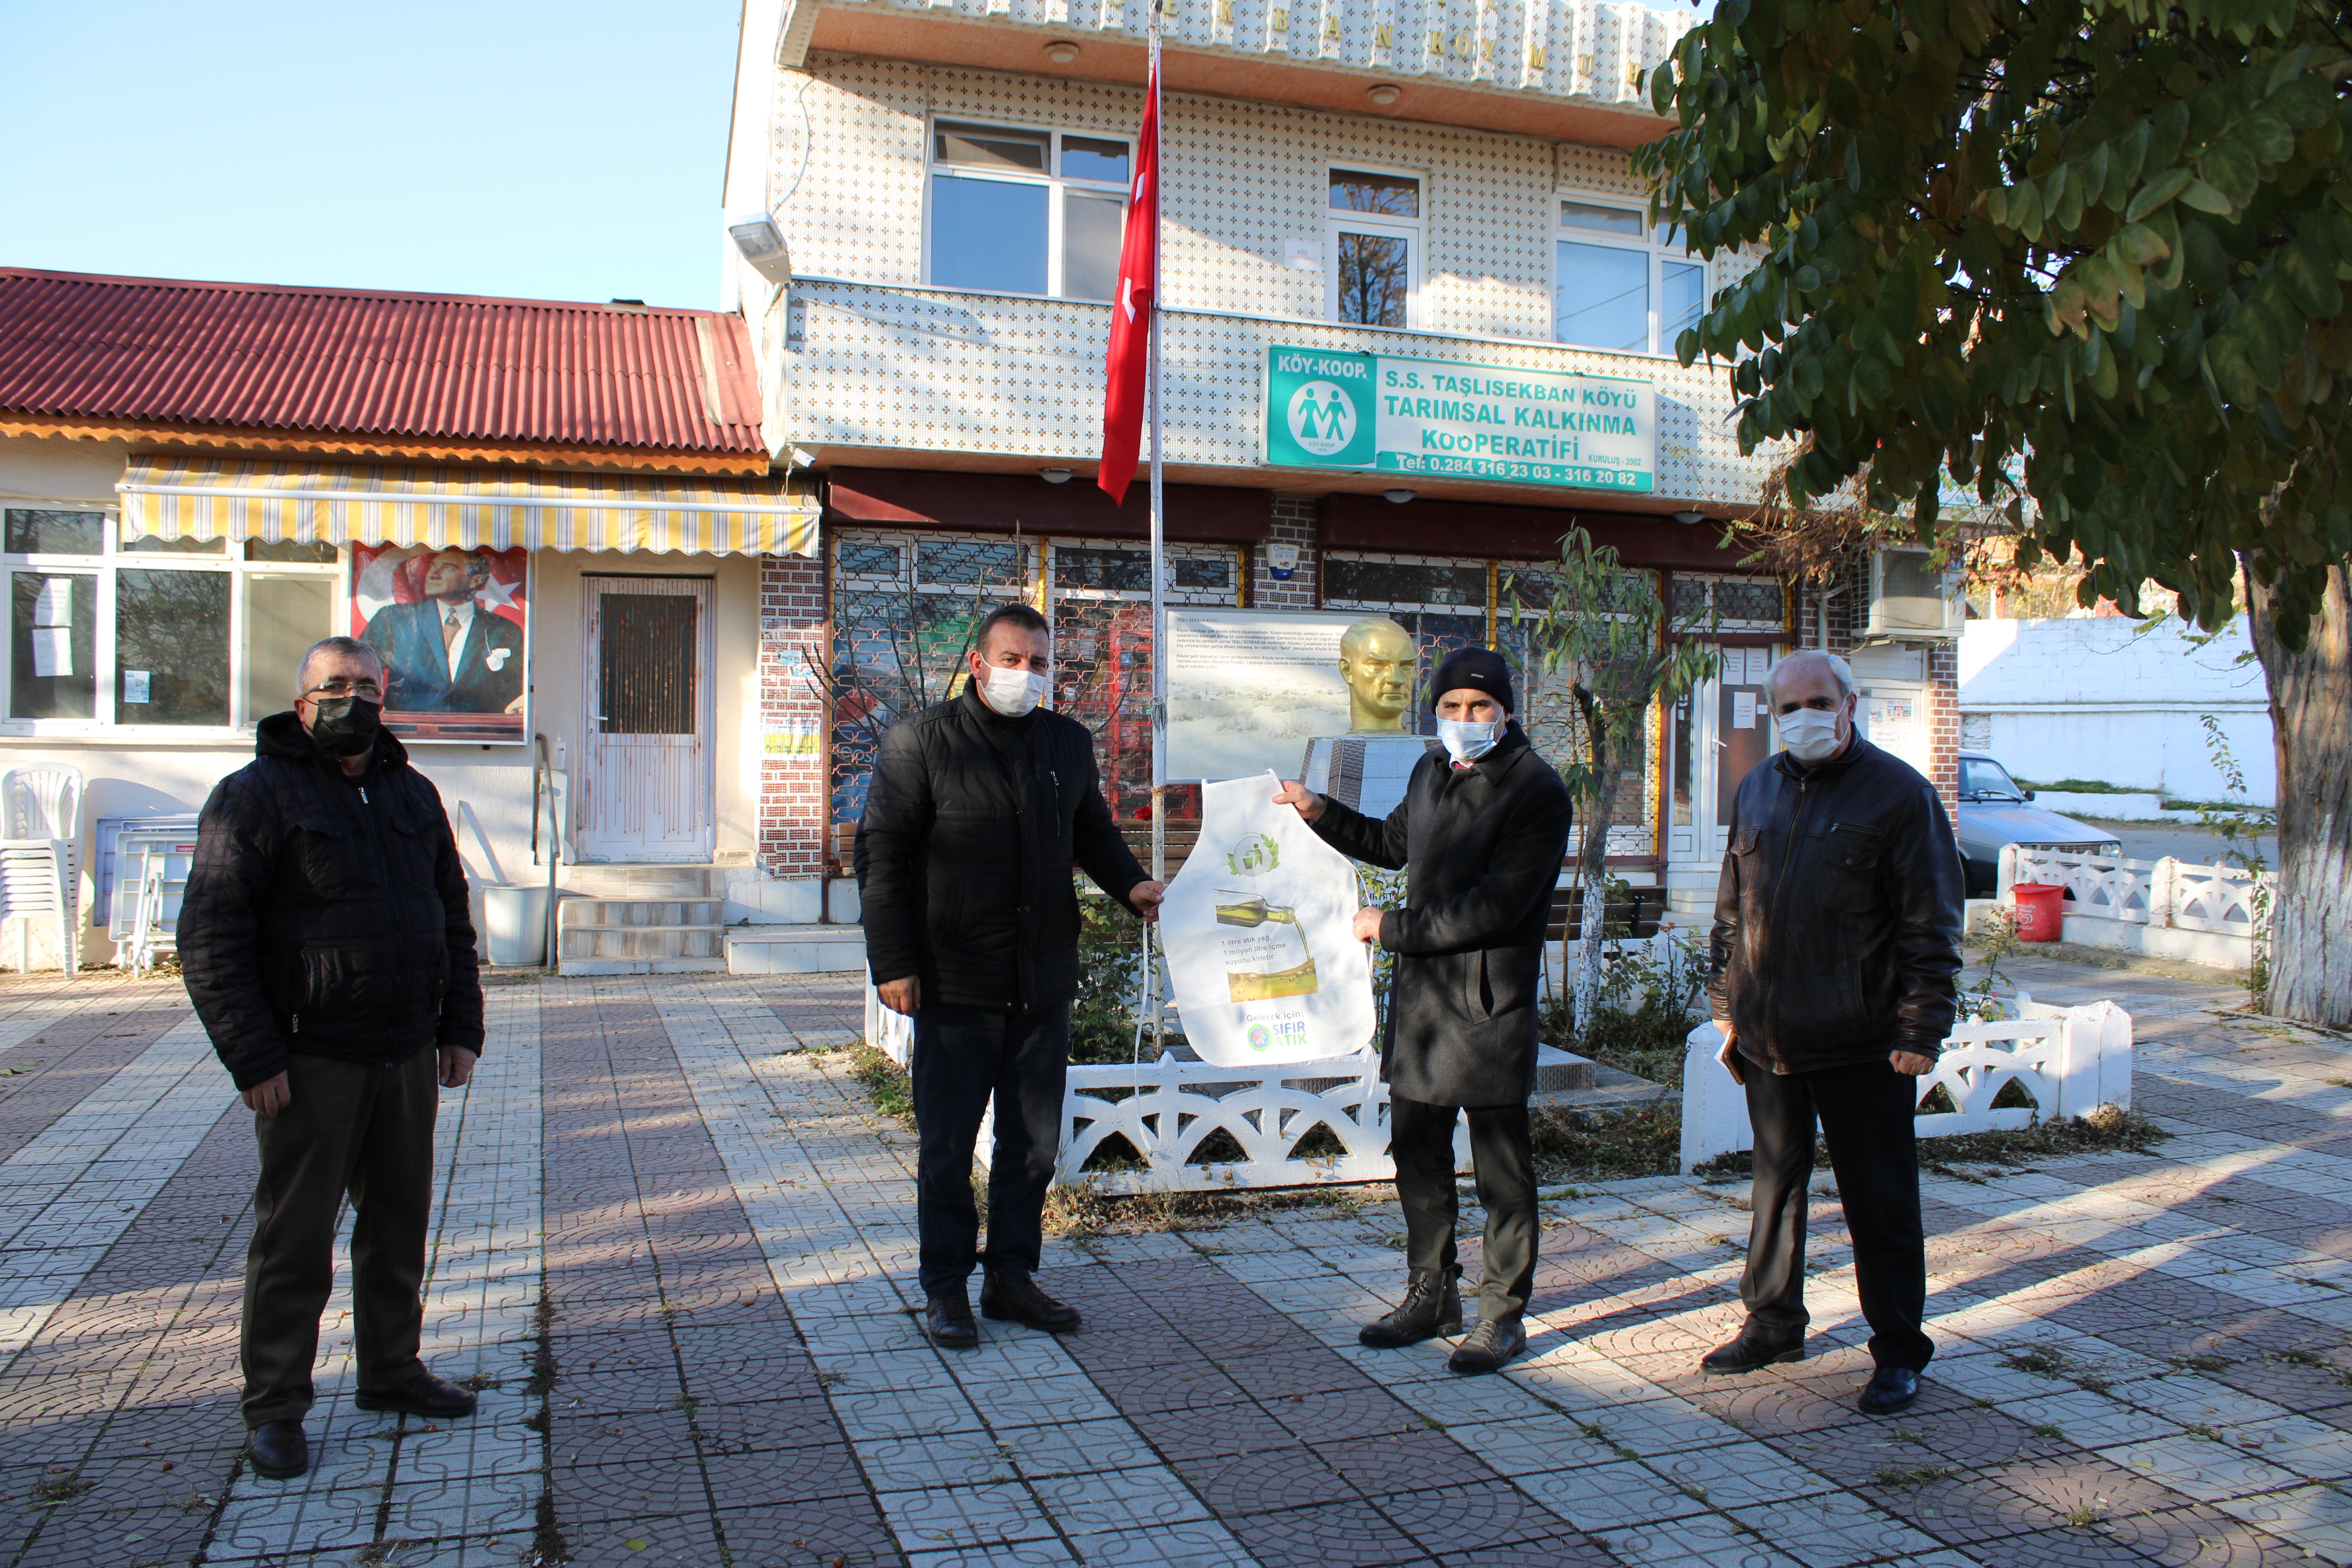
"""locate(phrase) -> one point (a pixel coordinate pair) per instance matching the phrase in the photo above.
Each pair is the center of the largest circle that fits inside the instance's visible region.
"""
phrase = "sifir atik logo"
(1285, 1032)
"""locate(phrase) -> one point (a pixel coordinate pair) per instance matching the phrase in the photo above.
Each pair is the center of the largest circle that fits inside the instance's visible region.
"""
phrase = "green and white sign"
(1390, 414)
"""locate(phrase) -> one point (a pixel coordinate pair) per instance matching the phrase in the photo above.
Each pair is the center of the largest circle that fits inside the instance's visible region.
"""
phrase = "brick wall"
(1294, 523)
(794, 659)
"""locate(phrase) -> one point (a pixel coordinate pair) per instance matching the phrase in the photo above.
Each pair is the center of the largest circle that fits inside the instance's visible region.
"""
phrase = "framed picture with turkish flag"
(454, 626)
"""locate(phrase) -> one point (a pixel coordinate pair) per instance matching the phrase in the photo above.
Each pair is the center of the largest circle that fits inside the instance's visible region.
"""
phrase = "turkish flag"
(1130, 312)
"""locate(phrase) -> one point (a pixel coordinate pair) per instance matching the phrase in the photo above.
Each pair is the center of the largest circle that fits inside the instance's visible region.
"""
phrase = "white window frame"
(1057, 186)
(1658, 252)
(1415, 232)
(101, 570)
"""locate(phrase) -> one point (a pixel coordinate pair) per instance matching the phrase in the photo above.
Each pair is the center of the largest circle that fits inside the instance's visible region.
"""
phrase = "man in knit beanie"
(1481, 831)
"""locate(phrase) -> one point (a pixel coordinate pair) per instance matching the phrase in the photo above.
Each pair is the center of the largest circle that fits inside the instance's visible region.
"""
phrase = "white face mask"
(1467, 740)
(1012, 692)
(1809, 733)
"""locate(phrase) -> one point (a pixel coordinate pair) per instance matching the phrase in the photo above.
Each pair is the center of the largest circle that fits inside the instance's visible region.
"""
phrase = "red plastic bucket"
(2041, 911)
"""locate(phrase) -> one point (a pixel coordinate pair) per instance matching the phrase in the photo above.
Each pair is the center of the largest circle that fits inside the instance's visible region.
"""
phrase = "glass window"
(171, 647)
(1620, 283)
(1375, 258)
(1390, 195)
(1359, 582)
(984, 147)
(109, 631)
(53, 663)
(958, 562)
(1375, 278)
(1085, 158)
(1984, 779)
(1092, 227)
(989, 235)
(1126, 568)
(32, 530)
(1204, 573)
(1604, 298)
(1026, 212)
(289, 550)
(283, 616)
(870, 559)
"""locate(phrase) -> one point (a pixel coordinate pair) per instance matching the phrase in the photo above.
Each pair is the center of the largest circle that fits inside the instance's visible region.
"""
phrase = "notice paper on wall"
(1743, 709)
(136, 686)
(53, 606)
(1256, 933)
(52, 652)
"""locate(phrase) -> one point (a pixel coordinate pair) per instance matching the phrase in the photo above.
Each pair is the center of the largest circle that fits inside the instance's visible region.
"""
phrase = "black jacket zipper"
(1779, 907)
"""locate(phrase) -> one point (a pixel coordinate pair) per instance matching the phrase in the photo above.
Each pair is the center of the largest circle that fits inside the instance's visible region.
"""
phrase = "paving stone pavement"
(675, 1251)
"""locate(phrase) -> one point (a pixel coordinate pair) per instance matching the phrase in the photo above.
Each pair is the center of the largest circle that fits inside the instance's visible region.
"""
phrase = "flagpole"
(1159, 539)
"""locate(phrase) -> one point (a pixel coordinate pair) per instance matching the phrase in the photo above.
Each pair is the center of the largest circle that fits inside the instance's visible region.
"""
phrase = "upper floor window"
(1621, 282)
(1373, 231)
(1026, 212)
(109, 629)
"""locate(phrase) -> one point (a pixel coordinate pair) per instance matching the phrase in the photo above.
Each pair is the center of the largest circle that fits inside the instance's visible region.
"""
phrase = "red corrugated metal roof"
(347, 360)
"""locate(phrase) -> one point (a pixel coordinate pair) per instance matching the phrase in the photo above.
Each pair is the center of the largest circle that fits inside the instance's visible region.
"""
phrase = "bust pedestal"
(1367, 773)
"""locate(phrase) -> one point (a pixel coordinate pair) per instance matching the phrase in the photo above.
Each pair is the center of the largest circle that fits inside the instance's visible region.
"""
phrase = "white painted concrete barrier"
(2174, 909)
(2071, 1060)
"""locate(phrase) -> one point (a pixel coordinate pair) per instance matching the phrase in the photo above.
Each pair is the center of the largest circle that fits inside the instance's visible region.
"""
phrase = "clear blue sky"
(514, 147)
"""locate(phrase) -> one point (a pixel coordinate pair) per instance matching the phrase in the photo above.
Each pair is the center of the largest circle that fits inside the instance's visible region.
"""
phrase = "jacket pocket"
(1746, 840)
(1478, 987)
(1845, 870)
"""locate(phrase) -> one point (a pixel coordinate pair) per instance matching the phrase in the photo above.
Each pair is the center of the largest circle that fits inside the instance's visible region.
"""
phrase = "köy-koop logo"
(1322, 418)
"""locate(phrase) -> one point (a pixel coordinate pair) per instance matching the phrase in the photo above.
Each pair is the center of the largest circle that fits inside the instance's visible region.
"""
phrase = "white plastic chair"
(40, 838)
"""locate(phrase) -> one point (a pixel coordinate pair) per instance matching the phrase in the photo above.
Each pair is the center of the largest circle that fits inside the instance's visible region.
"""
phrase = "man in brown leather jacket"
(1835, 947)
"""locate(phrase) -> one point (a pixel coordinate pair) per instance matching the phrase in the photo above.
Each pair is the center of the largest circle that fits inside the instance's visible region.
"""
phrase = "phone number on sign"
(1504, 469)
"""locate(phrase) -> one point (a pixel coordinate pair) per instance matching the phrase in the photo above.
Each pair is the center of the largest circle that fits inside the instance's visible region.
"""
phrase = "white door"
(648, 790)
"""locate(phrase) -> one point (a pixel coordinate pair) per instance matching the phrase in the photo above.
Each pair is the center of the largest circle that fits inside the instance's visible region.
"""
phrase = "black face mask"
(344, 726)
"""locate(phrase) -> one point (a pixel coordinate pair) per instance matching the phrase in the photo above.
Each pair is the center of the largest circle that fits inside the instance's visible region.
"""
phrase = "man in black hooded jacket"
(329, 949)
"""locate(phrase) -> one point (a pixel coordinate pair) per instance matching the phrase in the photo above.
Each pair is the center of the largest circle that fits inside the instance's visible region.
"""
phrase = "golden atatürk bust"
(1376, 659)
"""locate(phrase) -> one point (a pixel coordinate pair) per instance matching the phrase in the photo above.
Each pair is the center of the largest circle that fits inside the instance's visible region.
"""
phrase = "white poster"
(138, 686)
(52, 652)
(1255, 930)
(1248, 689)
(53, 606)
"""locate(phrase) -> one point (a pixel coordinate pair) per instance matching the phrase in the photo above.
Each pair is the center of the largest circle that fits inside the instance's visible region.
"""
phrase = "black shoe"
(1891, 1388)
(946, 1318)
(1432, 1306)
(423, 1394)
(1010, 1293)
(1486, 1347)
(279, 1449)
(1748, 1352)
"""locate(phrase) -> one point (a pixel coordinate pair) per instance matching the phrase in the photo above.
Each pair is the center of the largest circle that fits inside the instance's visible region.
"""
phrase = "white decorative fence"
(1167, 1108)
(2166, 908)
(2069, 1060)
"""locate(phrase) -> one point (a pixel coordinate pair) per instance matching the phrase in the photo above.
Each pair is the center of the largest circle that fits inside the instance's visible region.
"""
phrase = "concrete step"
(795, 950)
(581, 909)
(619, 880)
(593, 967)
(1558, 1070)
(636, 944)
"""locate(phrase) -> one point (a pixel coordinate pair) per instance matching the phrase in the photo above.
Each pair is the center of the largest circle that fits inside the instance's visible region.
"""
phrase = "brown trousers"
(364, 1128)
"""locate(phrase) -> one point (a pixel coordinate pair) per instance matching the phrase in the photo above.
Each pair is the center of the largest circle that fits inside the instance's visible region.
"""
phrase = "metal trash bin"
(514, 923)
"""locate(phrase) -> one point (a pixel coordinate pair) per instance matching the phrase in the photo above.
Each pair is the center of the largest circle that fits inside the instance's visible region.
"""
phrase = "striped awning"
(496, 509)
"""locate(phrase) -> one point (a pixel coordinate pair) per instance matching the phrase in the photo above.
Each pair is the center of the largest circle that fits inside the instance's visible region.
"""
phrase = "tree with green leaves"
(2079, 264)
(1607, 629)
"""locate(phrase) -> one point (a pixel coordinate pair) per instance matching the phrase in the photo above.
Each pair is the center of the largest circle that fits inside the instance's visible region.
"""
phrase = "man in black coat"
(329, 949)
(978, 808)
(1835, 949)
(1483, 828)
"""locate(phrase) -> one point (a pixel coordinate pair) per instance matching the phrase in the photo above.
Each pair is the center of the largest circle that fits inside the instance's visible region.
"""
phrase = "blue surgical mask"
(1466, 740)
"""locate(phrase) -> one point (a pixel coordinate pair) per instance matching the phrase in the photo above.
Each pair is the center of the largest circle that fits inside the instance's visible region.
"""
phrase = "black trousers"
(357, 1127)
(1420, 1138)
(962, 1055)
(1865, 1113)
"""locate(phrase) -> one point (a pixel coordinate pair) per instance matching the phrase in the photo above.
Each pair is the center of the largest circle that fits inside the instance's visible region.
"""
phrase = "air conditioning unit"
(1911, 599)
